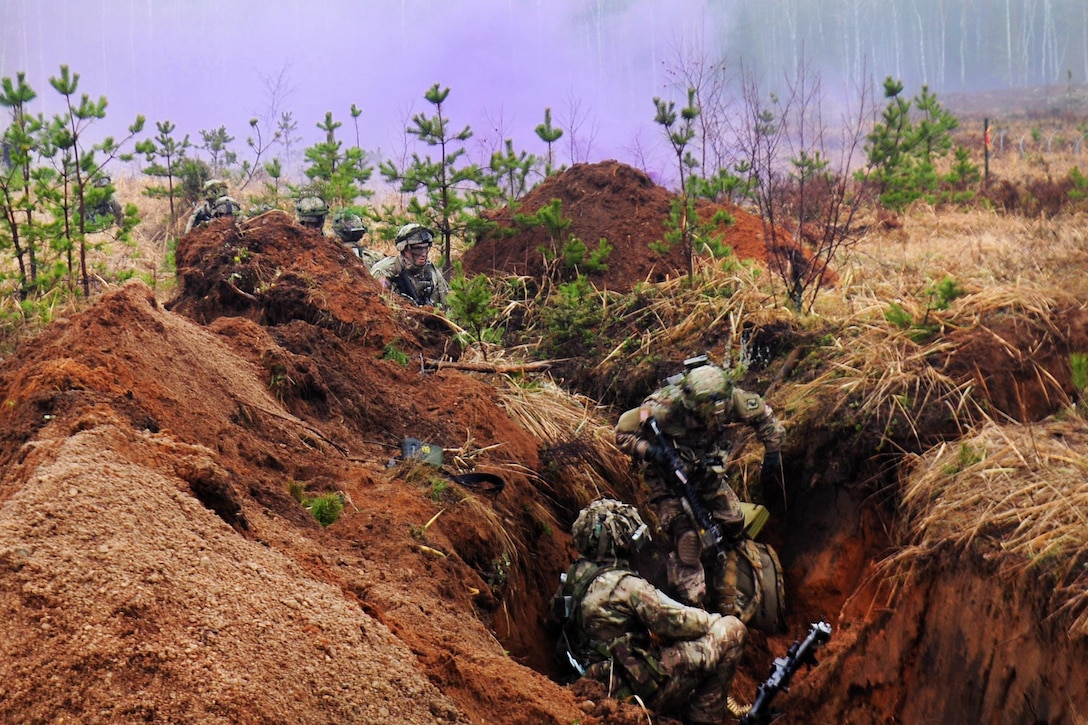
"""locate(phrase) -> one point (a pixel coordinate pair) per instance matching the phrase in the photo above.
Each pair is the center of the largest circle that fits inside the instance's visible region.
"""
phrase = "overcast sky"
(208, 63)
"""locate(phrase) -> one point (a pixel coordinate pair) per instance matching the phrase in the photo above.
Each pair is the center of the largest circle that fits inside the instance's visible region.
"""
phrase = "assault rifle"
(800, 653)
(710, 531)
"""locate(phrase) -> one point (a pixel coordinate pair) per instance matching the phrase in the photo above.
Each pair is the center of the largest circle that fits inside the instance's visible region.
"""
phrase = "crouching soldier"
(619, 629)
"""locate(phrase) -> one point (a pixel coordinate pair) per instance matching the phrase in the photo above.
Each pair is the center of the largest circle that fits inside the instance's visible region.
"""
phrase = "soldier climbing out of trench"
(620, 630)
(680, 432)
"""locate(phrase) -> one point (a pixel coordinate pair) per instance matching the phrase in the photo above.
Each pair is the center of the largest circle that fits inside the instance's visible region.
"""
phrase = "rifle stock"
(800, 653)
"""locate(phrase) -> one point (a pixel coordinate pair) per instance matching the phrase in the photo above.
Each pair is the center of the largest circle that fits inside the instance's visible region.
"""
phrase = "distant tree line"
(949, 45)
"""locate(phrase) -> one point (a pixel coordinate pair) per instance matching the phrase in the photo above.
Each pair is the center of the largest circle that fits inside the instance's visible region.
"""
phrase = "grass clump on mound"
(1021, 490)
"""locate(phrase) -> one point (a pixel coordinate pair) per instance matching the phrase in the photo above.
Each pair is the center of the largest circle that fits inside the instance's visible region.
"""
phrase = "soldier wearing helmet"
(311, 210)
(217, 203)
(103, 209)
(349, 227)
(410, 273)
(619, 629)
(693, 412)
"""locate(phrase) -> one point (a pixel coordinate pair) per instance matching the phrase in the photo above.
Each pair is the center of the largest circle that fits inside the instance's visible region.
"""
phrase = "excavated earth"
(155, 566)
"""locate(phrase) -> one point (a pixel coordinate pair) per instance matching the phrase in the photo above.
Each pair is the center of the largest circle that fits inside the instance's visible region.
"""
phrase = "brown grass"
(1020, 491)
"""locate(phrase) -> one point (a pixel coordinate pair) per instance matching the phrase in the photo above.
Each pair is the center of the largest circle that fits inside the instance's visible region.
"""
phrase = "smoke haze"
(202, 64)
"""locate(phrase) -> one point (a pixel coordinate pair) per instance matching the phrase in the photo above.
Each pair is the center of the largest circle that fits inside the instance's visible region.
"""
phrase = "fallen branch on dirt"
(479, 367)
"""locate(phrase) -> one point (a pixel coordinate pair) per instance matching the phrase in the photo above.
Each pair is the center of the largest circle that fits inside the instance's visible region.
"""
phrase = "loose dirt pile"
(154, 564)
(610, 201)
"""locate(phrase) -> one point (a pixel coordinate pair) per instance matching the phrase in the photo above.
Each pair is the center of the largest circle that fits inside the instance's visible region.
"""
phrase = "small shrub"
(326, 509)
(944, 293)
(898, 316)
(1078, 363)
(392, 352)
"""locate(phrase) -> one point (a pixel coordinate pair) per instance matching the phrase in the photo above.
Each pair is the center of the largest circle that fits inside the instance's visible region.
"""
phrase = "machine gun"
(710, 531)
(802, 652)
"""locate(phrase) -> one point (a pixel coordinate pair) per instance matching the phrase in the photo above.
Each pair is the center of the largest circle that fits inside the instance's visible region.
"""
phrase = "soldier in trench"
(619, 629)
(692, 414)
(410, 273)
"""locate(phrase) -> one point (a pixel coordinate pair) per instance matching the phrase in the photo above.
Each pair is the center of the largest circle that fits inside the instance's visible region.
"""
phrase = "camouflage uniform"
(349, 229)
(697, 432)
(106, 210)
(404, 274)
(630, 636)
(217, 203)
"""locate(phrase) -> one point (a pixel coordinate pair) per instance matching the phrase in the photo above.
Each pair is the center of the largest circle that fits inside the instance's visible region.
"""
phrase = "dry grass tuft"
(1019, 492)
(574, 425)
(671, 315)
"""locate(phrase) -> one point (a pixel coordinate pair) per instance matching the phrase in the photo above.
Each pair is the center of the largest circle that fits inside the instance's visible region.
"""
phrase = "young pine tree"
(683, 208)
(550, 135)
(165, 155)
(78, 165)
(447, 190)
(335, 173)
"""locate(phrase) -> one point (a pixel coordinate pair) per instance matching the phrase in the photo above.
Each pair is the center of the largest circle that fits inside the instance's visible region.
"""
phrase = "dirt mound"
(613, 201)
(148, 535)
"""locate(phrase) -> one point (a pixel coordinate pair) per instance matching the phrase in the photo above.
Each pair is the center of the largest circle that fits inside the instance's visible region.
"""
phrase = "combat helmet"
(706, 384)
(214, 188)
(348, 226)
(311, 210)
(101, 182)
(413, 234)
(608, 529)
(225, 206)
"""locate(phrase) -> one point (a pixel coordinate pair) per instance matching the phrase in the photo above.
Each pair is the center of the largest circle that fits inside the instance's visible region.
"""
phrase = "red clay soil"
(613, 201)
(154, 565)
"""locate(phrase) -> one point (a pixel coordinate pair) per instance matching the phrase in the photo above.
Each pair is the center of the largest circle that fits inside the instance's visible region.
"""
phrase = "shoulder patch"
(745, 404)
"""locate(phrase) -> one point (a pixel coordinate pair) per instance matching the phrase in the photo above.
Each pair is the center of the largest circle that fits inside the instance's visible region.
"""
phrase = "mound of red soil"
(154, 564)
(612, 201)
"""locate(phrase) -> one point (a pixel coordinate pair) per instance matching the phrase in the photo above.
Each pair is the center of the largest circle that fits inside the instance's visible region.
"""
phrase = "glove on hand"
(771, 471)
(656, 453)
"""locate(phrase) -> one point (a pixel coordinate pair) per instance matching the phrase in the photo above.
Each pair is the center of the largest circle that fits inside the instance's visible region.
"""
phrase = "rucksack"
(572, 645)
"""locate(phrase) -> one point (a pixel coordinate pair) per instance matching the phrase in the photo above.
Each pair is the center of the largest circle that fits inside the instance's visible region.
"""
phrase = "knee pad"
(688, 548)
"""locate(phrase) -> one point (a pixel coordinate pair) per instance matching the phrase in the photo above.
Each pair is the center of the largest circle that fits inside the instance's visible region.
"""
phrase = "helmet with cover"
(311, 210)
(214, 188)
(348, 226)
(705, 386)
(225, 206)
(101, 182)
(608, 529)
(413, 234)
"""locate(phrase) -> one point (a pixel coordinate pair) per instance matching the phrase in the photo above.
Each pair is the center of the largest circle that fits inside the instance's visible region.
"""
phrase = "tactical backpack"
(573, 646)
(750, 586)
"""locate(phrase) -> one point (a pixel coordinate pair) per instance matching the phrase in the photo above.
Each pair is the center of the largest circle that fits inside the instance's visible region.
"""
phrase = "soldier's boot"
(685, 570)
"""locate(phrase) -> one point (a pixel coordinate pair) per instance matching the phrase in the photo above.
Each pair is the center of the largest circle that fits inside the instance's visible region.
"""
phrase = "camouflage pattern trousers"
(687, 576)
(699, 673)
